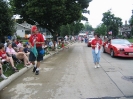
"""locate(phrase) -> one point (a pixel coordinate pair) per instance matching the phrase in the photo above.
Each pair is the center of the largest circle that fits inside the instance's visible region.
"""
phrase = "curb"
(11, 78)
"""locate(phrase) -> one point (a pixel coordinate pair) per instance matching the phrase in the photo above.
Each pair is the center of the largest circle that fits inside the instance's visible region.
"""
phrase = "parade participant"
(96, 46)
(35, 41)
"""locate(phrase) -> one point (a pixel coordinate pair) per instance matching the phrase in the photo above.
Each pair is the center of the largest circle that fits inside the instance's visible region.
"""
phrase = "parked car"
(89, 41)
(118, 47)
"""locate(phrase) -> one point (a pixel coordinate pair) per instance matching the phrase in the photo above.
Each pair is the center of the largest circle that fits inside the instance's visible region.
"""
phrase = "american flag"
(110, 32)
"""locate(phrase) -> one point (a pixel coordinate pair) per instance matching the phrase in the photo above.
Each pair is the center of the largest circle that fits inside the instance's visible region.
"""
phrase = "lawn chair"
(6, 64)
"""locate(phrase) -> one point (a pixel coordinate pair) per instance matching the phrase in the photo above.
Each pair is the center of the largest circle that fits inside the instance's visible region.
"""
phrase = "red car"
(118, 47)
(89, 41)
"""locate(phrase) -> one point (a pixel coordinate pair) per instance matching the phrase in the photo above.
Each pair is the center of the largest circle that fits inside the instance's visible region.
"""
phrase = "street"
(70, 74)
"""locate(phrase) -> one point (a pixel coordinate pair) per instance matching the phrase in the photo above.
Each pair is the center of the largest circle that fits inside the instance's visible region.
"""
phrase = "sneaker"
(34, 69)
(98, 65)
(95, 66)
(3, 76)
(37, 72)
(15, 69)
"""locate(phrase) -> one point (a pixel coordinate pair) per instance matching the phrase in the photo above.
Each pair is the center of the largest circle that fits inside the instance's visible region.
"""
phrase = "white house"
(23, 29)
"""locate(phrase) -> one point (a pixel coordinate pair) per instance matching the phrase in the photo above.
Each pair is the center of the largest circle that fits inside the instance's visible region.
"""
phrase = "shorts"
(39, 57)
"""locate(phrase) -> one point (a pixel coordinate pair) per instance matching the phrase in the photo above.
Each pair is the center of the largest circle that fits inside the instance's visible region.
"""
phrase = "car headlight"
(121, 49)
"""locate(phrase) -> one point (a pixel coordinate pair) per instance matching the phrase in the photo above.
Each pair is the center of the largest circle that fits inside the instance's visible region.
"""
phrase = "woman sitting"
(19, 55)
(5, 58)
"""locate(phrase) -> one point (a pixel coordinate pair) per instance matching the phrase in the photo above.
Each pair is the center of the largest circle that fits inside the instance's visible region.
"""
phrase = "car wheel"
(112, 53)
(104, 50)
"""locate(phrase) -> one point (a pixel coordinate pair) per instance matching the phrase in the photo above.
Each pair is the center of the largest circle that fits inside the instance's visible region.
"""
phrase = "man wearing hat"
(36, 40)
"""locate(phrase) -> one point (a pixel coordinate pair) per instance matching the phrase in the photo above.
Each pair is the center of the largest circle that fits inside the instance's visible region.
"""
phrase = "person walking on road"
(36, 40)
(96, 46)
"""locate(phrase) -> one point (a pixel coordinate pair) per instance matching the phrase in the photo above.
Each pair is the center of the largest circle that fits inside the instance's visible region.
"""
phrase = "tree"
(101, 29)
(131, 24)
(88, 27)
(6, 24)
(50, 14)
(112, 23)
(71, 29)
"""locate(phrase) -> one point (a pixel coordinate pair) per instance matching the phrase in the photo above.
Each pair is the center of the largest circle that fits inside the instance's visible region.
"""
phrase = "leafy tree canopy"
(50, 14)
(88, 27)
(6, 24)
(131, 24)
(111, 22)
(71, 29)
(101, 29)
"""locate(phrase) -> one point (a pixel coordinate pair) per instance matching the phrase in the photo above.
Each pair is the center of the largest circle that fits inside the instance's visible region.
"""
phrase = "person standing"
(36, 39)
(96, 46)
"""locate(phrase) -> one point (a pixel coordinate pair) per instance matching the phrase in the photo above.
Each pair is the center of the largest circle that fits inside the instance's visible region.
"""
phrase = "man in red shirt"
(36, 39)
(96, 45)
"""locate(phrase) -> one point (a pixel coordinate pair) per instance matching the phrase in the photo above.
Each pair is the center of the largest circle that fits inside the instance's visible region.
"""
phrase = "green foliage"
(71, 29)
(6, 24)
(88, 27)
(130, 40)
(112, 23)
(131, 24)
(18, 37)
(50, 14)
(101, 29)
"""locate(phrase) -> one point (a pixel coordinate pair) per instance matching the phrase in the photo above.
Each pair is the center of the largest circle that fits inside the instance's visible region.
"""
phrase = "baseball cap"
(33, 28)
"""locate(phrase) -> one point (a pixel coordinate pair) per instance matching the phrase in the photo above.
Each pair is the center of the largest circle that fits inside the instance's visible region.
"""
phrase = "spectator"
(51, 44)
(5, 45)
(1, 72)
(25, 49)
(4, 57)
(14, 45)
(20, 44)
(19, 55)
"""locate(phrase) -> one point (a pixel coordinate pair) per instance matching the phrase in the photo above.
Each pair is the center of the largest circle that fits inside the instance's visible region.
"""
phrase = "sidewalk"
(11, 78)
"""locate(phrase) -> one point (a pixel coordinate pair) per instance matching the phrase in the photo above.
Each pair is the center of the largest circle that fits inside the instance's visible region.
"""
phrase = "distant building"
(23, 29)
(125, 30)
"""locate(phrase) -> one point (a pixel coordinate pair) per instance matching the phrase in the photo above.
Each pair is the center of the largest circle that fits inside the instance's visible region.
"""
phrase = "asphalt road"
(70, 74)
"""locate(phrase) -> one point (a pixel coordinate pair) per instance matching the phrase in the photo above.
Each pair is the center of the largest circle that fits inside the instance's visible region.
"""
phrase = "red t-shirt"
(3, 54)
(95, 41)
(36, 38)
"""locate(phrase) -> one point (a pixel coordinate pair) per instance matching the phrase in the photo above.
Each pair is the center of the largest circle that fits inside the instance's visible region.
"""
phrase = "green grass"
(24, 40)
(130, 40)
(9, 71)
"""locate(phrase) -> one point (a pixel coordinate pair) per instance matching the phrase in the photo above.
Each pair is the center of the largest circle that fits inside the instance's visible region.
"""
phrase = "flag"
(110, 32)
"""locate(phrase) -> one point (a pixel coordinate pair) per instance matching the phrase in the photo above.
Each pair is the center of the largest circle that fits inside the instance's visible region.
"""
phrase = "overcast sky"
(120, 8)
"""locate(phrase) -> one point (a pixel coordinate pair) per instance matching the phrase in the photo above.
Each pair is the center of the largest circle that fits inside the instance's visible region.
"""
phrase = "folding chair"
(6, 64)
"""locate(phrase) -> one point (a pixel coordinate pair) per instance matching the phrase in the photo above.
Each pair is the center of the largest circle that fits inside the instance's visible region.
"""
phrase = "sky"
(120, 8)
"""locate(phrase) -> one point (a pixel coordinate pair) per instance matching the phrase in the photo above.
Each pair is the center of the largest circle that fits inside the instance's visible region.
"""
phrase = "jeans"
(96, 57)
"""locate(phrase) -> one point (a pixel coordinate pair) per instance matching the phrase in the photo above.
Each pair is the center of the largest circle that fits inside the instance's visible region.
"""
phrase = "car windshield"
(91, 36)
(118, 41)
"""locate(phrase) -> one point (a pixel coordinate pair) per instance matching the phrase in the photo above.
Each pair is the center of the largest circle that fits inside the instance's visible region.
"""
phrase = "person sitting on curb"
(1, 72)
(19, 55)
(51, 45)
(5, 58)
(26, 50)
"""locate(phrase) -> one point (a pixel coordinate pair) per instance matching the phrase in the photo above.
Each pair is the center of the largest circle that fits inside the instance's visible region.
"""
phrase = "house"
(23, 29)
(125, 30)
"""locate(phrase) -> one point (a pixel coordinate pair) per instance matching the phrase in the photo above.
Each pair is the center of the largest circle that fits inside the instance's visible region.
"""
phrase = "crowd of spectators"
(13, 51)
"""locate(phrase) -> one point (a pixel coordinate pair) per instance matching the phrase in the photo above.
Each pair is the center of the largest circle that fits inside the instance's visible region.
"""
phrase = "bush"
(18, 37)
(120, 36)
